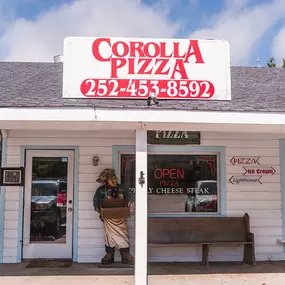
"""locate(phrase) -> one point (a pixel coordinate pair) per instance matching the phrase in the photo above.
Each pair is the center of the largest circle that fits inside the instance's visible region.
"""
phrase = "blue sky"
(33, 30)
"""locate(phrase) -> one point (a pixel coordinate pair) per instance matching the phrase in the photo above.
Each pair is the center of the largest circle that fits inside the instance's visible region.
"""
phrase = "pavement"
(265, 273)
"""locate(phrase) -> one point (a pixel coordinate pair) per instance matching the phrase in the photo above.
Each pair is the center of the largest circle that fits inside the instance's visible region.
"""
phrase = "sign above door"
(173, 137)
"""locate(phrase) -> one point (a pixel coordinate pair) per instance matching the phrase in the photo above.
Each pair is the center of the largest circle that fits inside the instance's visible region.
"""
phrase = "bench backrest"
(198, 229)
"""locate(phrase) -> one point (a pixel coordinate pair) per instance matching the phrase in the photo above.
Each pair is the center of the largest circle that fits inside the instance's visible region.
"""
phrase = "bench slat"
(170, 244)
(194, 229)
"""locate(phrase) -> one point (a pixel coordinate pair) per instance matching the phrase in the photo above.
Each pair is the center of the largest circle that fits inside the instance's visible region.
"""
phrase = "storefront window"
(177, 183)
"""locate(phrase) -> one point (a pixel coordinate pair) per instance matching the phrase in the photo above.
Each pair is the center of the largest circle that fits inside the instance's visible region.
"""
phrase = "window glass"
(176, 183)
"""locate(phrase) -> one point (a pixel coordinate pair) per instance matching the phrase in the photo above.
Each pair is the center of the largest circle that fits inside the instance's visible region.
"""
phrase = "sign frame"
(245, 160)
(263, 170)
(12, 176)
(245, 179)
(134, 68)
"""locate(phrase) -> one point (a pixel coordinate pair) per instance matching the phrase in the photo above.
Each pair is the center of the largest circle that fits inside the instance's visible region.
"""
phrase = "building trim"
(116, 150)
(282, 177)
(2, 195)
(75, 197)
(151, 115)
(189, 116)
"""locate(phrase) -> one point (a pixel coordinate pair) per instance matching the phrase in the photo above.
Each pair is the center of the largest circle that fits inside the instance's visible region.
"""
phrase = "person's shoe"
(108, 259)
(127, 258)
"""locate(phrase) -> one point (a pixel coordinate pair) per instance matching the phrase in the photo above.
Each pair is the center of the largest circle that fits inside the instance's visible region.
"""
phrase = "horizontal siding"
(11, 215)
(261, 202)
(90, 144)
(232, 169)
(84, 143)
(243, 144)
(251, 195)
(10, 233)
(22, 135)
(263, 152)
(255, 214)
(265, 187)
(258, 205)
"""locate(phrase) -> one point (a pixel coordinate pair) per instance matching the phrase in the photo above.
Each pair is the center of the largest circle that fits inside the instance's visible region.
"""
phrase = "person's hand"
(100, 217)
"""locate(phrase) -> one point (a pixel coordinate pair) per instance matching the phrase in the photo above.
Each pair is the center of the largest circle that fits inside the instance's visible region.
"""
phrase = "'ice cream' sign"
(133, 68)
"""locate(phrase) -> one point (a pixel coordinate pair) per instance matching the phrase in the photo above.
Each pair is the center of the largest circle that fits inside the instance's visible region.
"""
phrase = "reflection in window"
(177, 183)
(48, 199)
(44, 188)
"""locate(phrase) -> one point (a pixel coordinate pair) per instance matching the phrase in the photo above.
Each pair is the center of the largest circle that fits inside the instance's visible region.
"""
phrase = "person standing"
(115, 230)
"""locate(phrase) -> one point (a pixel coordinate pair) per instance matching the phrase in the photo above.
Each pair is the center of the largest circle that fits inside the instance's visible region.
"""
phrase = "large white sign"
(132, 68)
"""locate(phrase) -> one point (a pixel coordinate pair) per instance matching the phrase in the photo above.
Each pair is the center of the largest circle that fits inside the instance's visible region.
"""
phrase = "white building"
(41, 129)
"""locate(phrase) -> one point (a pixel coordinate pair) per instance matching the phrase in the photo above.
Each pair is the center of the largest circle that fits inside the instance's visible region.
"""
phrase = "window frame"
(182, 150)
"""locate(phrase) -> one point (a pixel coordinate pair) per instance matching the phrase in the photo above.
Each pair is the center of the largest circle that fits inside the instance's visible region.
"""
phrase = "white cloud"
(235, 4)
(243, 27)
(41, 39)
(278, 46)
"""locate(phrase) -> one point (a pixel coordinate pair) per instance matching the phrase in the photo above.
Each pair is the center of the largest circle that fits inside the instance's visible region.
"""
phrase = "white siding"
(262, 202)
(90, 144)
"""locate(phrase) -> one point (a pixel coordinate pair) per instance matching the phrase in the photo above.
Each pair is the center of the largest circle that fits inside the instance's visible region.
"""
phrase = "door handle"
(70, 209)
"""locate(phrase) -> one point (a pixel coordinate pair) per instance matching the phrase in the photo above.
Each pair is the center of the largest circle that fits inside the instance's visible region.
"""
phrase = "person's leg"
(127, 258)
(117, 235)
(124, 245)
(109, 246)
(109, 256)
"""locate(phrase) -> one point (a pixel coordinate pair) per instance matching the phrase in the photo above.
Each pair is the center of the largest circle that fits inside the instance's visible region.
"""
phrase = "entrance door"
(48, 204)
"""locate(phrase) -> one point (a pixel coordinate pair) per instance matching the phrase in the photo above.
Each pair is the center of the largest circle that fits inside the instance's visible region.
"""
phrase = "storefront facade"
(219, 158)
(261, 200)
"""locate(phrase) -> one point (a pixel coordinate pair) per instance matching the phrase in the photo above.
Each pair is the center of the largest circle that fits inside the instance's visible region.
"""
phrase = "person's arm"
(128, 194)
(97, 200)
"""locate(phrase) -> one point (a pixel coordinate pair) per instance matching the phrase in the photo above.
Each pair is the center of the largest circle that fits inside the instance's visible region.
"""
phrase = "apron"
(116, 233)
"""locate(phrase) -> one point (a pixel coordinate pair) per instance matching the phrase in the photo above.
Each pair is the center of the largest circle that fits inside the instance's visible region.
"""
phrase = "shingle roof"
(33, 84)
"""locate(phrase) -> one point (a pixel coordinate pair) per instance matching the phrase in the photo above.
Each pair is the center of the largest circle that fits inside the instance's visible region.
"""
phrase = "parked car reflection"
(48, 209)
(203, 198)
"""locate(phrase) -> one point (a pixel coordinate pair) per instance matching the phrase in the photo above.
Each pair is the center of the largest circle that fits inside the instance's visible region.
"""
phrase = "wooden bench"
(204, 232)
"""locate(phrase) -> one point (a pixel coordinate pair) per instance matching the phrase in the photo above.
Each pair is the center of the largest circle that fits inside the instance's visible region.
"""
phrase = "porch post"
(141, 209)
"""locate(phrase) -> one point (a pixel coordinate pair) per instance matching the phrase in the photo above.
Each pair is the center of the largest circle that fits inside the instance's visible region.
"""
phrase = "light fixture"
(95, 160)
(152, 99)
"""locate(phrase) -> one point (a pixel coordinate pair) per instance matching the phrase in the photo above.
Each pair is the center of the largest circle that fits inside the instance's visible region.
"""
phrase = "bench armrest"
(250, 237)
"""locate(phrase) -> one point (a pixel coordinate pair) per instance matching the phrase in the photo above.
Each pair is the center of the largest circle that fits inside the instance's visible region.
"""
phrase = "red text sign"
(169, 173)
(245, 160)
(168, 89)
(133, 68)
(259, 171)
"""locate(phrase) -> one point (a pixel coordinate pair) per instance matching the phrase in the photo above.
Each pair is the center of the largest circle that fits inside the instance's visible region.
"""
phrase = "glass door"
(48, 204)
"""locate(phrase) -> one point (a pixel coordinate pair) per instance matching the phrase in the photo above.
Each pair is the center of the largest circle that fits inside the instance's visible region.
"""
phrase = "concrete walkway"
(266, 273)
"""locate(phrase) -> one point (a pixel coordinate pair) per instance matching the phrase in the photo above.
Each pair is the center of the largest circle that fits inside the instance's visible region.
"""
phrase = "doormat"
(42, 263)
